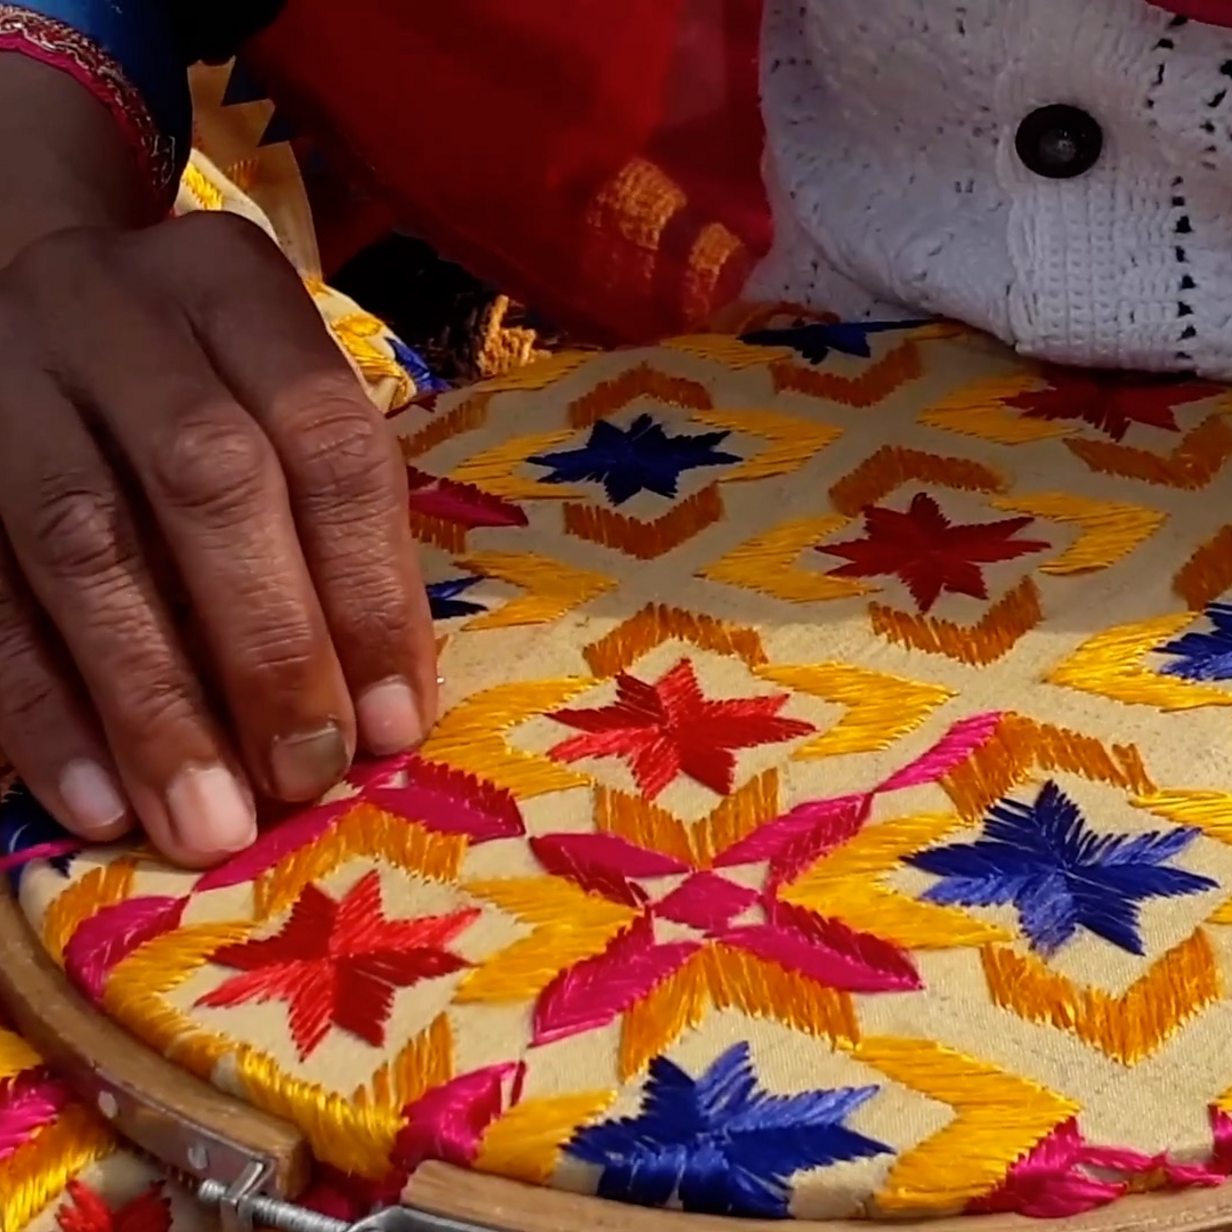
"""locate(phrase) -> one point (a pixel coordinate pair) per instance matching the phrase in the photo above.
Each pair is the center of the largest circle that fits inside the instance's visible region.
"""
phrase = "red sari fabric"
(599, 160)
(1213, 12)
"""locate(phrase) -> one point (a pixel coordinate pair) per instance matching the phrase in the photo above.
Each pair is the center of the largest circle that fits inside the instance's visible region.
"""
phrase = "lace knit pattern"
(897, 189)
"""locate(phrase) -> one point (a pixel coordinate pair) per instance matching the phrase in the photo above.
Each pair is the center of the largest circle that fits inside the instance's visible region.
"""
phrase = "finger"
(216, 490)
(46, 727)
(347, 486)
(74, 539)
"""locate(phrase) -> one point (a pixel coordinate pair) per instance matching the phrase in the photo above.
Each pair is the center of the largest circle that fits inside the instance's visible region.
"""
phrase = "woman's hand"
(175, 418)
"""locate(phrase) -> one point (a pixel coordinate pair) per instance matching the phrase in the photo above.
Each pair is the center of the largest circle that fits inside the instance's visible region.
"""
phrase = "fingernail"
(90, 795)
(210, 811)
(389, 717)
(306, 765)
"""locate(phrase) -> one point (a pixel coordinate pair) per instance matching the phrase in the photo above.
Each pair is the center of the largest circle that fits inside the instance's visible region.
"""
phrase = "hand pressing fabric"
(175, 420)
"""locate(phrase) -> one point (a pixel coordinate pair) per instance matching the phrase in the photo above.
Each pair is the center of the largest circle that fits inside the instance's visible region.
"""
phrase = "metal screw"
(108, 1105)
(281, 1216)
(198, 1157)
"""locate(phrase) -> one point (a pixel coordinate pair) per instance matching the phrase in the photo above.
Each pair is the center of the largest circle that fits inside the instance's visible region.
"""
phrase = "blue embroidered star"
(642, 457)
(444, 602)
(719, 1143)
(1060, 875)
(815, 342)
(1204, 656)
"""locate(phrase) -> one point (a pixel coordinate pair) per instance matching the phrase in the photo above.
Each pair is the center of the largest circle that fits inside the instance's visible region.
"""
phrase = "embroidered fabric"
(897, 189)
(813, 828)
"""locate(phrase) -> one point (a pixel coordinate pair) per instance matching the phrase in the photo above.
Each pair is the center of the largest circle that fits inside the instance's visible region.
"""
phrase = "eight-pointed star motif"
(1111, 401)
(1061, 876)
(642, 457)
(337, 963)
(928, 552)
(721, 1144)
(669, 728)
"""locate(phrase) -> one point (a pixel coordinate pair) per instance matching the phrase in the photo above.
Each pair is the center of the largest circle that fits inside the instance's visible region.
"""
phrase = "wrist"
(123, 54)
(72, 168)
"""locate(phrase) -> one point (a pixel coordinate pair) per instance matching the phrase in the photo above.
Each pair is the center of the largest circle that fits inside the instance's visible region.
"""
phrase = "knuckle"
(344, 460)
(274, 656)
(77, 528)
(220, 233)
(147, 699)
(216, 467)
(377, 611)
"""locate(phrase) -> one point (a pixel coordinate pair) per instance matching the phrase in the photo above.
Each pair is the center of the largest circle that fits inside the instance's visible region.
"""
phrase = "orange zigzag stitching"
(1207, 573)
(646, 540)
(1128, 1028)
(465, 417)
(362, 831)
(999, 1118)
(723, 977)
(524, 1144)
(655, 624)
(425, 1062)
(641, 382)
(448, 536)
(699, 842)
(1192, 465)
(100, 888)
(1021, 745)
(1002, 627)
(874, 384)
(892, 466)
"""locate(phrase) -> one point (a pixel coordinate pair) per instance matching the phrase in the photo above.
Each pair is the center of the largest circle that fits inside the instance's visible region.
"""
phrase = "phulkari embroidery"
(830, 815)
(61, 1168)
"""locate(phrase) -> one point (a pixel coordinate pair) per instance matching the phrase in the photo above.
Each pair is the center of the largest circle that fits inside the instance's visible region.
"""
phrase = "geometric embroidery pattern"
(830, 812)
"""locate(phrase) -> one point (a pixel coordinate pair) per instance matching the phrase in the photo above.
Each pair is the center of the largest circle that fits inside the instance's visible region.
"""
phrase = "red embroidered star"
(337, 963)
(668, 728)
(1111, 401)
(928, 552)
(85, 1211)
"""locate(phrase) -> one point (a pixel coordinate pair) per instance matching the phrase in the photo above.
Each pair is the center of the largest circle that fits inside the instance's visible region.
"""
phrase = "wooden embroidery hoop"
(164, 1111)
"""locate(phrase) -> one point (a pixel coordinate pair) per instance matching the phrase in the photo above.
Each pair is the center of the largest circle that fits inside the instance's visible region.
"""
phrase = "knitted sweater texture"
(899, 186)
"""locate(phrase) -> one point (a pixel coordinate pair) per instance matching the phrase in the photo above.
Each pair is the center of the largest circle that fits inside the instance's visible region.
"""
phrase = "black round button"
(1059, 142)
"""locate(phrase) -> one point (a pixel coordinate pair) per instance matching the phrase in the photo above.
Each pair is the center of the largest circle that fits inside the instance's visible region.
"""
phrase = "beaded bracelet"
(123, 53)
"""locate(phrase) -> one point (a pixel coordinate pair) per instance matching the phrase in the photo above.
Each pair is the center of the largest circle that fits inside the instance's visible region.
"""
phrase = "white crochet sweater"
(898, 187)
